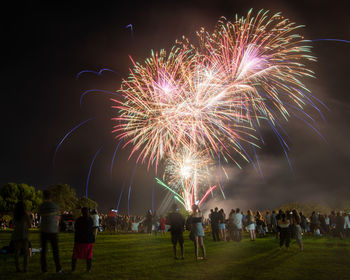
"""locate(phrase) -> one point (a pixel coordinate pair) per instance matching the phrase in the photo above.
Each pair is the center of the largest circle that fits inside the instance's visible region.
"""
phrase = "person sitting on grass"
(177, 224)
(83, 239)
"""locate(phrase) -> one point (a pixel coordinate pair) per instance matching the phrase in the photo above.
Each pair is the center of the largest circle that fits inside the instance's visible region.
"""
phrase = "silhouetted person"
(222, 226)
(230, 225)
(177, 224)
(20, 235)
(303, 222)
(49, 231)
(314, 222)
(339, 225)
(214, 219)
(285, 232)
(83, 239)
(149, 221)
(278, 217)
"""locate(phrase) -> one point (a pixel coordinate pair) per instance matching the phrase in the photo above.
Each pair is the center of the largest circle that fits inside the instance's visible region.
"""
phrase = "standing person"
(268, 221)
(222, 226)
(111, 221)
(148, 221)
(243, 220)
(346, 224)
(339, 225)
(260, 224)
(322, 223)
(231, 226)
(274, 222)
(327, 222)
(297, 229)
(346, 220)
(49, 231)
(285, 232)
(162, 222)
(83, 239)
(278, 217)
(250, 220)
(197, 231)
(135, 225)
(215, 224)
(238, 225)
(177, 224)
(313, 222)
(303, 223)
(155, 223)
(20, 235)
(96, 222)
(332, 221)
(211, 222)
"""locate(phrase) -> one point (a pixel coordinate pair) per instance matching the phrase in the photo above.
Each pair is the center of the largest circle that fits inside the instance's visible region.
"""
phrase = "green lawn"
(139, 256)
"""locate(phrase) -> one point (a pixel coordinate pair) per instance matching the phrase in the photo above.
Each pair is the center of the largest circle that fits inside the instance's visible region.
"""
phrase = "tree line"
(325, 208)
(62, 194)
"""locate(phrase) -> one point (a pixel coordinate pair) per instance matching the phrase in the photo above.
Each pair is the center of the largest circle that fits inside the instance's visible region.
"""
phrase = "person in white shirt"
(237, 222)
(96, 221)
(346, 224)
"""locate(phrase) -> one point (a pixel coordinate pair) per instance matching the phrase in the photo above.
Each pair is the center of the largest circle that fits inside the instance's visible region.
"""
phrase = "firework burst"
(189, 173)
(210, 100)
(263, 60)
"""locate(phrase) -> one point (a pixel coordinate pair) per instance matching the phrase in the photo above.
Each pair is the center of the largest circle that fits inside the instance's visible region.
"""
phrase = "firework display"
(195, 104)
(186, 170)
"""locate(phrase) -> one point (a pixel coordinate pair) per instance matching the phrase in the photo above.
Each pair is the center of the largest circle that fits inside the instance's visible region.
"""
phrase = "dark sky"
(54, 41)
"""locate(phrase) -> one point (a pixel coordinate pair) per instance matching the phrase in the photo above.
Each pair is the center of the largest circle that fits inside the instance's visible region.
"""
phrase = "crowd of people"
(84, 235)
(335, 224)
(284, 225)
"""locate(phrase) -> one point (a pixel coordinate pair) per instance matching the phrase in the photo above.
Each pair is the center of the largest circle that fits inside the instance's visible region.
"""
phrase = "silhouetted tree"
(11, 193)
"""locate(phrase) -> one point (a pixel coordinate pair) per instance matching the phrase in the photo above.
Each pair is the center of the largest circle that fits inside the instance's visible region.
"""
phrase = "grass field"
(139, 256)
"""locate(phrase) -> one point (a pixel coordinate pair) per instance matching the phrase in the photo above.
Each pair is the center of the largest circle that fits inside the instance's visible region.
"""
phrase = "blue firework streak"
(332, 40)
(114, 154)
(88, 177)
(99, 73)
(131, 180)
(120, 196)
(65, 137)
(131, 29)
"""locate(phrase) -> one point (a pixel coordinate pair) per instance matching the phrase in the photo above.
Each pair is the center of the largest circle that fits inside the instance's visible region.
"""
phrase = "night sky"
(55, 41)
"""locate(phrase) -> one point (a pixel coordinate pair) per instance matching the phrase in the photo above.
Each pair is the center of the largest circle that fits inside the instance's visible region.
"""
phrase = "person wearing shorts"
(197, 231)
(177, 224)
